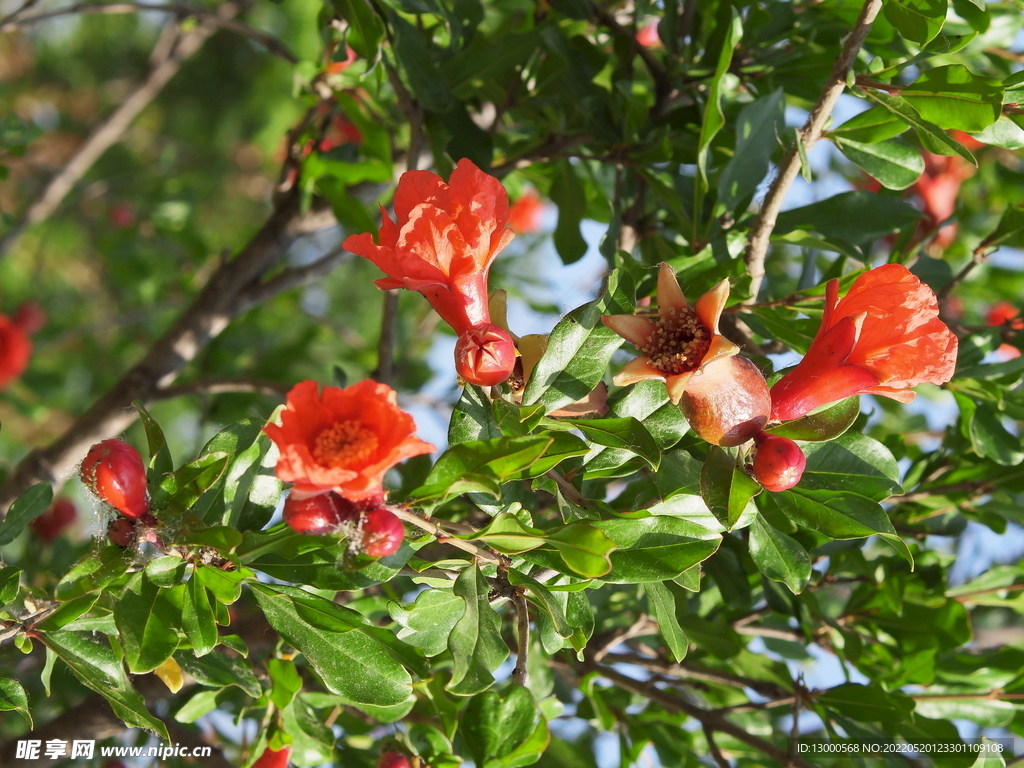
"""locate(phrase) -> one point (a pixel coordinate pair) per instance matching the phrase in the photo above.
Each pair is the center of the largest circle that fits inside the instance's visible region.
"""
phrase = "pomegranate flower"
(442, 244)
(524, 216)
(679, 341)
(342, 440)
(882, 338)
(15, 341)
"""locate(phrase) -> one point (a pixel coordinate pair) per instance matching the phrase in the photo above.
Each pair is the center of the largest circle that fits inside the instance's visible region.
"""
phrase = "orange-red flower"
(343, 440)
(1004, 313)
(15, 350)
(442, 244)
(882, 338)
(525, 213)
(679, 341)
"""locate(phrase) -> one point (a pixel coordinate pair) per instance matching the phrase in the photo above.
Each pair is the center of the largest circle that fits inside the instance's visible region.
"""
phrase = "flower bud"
(383, 533)
(318, 515)
(273, 758)
(393, 760)
(54, 520)
(121, 532)
(778, 462)
(114, 471)
(727, 402)
(485, 355)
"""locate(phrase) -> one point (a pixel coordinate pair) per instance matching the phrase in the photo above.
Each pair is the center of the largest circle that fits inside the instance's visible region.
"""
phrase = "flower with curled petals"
(342, 440)
(679, 341)
(882, 338)
(441, 244)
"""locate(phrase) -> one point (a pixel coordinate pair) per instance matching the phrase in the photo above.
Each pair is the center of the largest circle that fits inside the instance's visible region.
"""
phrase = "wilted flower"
(442, 244)
(679, 341)
(882, 338)
(342, 440)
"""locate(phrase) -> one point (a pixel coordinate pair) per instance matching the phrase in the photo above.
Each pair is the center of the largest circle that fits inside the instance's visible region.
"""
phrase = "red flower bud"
(273, 758)
(393, 760)
(778, 462)
(727, 402)
(382, 533)
(318, 515)
(54, 520)
(121, 532)
(485, 355)
(114, 471)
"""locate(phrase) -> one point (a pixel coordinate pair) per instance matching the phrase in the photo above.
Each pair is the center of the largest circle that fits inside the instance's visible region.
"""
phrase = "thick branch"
(208, 315)
(757, 245)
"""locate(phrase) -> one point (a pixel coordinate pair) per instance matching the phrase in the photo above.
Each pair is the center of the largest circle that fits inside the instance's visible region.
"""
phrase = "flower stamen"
(679, 342)
(344, 444)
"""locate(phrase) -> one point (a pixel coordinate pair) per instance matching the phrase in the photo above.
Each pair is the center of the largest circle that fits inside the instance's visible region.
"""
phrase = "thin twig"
(221, 386)
(691, 671)
(215, 18)
(716, 753)
(293, 277)
(642, 626)
(757, 245)
(385, 372)
(520, 675)
(433, 527)
(113, 128)
(781, 634)
(971, 487)
(978, 257)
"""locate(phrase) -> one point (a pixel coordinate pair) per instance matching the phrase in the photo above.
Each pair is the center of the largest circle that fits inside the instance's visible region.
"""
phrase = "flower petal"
(635, 329)
(676, 385)
(720, 347)
(637, 369)
(709, 306)
(670, 295)
(416, 187)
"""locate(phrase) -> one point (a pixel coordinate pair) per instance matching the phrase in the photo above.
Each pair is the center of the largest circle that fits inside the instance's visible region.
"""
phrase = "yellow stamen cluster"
(679, 342)
(344, 444)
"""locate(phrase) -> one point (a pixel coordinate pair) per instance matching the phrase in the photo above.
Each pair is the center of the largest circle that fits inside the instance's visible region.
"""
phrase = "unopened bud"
(121, 532)
(273, 758)
(485, 355)
(393, 760)
(727, 402)
(778, 462)
(114, 471)
(383, 533)
(318, 515)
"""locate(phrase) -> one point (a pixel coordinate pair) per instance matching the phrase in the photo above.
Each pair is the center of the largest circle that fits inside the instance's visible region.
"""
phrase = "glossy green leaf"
(655, 547)
(312, 742)
(542, 596)
(854, 463)
(779, 556)
(67, 613)
(93, 662)
(365, 27)
(475, 641)
(567, 194)
(147, 617)
(935, 139)
(757, 130)
(415, 55)
(495, 724)
(473, 418)
(252, 489)
(870, 126)
(14, 698)
(725, 487)
(428, 622)
(954, 98)
(10, 582)
(853, 216)
(662, 605)
(916, 20)
(625, 434)
(1002, 133)
(351, 664)
(160, 462)
(94, 571)
(867, 702)
(180, 491)
(506, 534)
(197, 617)
(714, 119)
(583, 548)
(217, 670)
(893, 163)
(30, 505)
(580, 348)
(824, 424)
(285, 679)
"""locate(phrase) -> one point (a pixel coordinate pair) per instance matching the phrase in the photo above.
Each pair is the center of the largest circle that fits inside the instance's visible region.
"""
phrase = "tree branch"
(520, 676)
(221, 386)
(688, 670)
(757, 244)
(215, 18)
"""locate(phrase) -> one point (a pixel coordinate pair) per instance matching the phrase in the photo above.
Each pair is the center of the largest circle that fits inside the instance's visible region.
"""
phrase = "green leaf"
(67, 613)
(473, 418)
(13, 697)
(725, 487)
(852, 462)
(757, 130)
(166, 571)
(867, 703)
(778, 556)
(543, 597)
(625, 433)
(413, 50)
(225, 586)
(870, 126)
(824, 424)
(655, 547)
(351, 664)
(428, 622)
(285, 681)
(935, 139)
(95, 665)
(580, 348)
(495, 724)
(954, 98)
(1002, 133)
(251, 487)
(894, 163)
(197, 617)
(506, 534)
(989, 438)
(147, 618)
(10, 583)
(991, 756)
(662, 605)
(179, 492)
(714, 119)
(312, 742)
(583, 548)
(217, 670)
(94, 571)
(30, 505)
(160, 462)
(916, 20)
(857, 217)
(365, 29)
(489, 460)
(567, 193)
(475, 641)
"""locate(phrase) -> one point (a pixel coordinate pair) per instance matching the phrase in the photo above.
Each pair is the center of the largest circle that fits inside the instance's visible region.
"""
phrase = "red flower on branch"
(882, 338)
(15, 342)
(679, 341)
(342, 440)
(441, 244)
(1004, 313)
(525, 213)
(60, 515)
